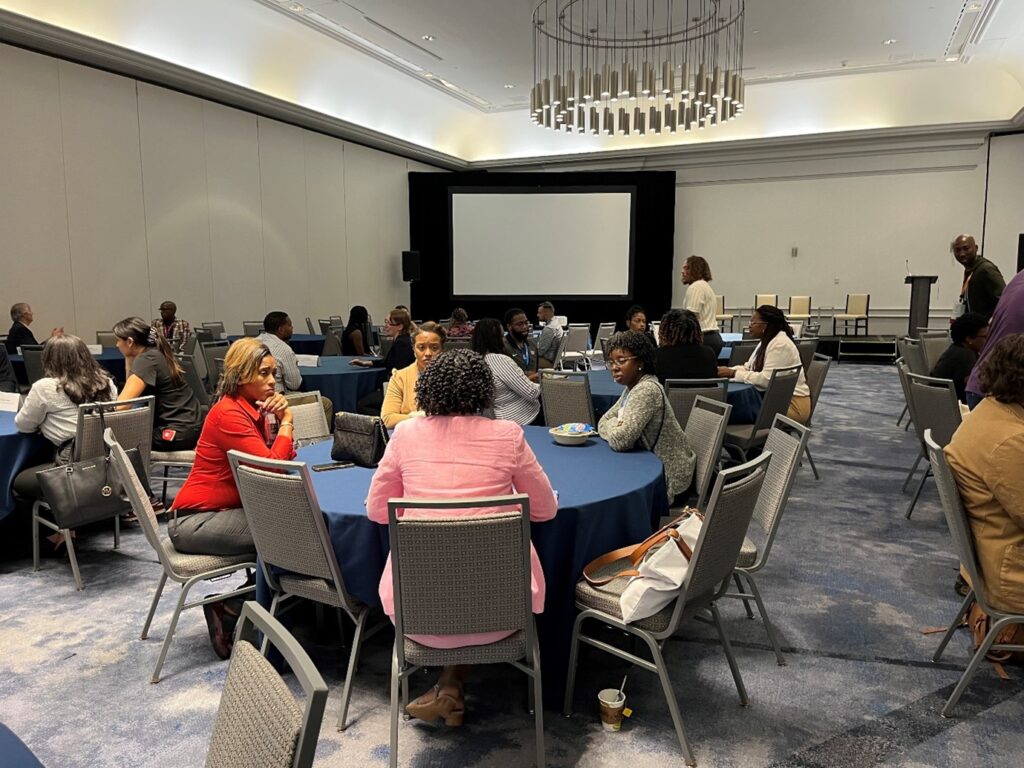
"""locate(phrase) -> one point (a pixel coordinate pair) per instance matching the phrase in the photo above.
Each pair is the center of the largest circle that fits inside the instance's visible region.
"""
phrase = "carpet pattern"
(849, 586)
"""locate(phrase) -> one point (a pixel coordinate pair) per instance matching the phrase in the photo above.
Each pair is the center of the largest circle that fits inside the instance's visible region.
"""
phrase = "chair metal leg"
(274, 603)
(538, 704)
(170, 630)
(393, 756)
(769, 629)
(570, 680)
(353, 659)
(954, 626)
(972, 668)
(810, 459)
(70, 544)
(902, 414)
(670, 697)
(917, 493)
(117, 531)
(35, 536)
(727, 647)
(152, 606)
(742, 591)
(913, 469)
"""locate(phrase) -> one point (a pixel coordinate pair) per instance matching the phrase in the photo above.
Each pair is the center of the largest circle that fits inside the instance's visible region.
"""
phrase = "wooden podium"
(920, 299)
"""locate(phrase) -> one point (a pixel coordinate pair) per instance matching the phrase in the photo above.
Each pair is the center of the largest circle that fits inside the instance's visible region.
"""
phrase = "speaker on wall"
(410, 266)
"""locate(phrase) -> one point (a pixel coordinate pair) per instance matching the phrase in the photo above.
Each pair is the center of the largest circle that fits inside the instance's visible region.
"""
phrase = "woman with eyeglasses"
(775, 350)
(397, 326)
(642, 417)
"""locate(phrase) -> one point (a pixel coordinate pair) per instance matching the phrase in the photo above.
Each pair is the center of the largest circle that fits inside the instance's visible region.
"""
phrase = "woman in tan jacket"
(400, 399)
(986, 455)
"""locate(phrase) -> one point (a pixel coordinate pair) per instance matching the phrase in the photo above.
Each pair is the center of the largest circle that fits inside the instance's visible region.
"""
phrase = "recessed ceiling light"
(509, 85)
(890, 41)
(428, 38)
(297, 7)
(973, 7)
(952, 58)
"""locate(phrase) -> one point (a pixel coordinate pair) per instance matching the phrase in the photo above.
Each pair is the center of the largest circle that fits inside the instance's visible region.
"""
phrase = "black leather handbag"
(359, 439)
(86, 491)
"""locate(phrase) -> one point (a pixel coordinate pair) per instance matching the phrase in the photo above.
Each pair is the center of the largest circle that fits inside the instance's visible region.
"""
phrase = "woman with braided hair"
(682, 353)
(151, 369)
(776, 350)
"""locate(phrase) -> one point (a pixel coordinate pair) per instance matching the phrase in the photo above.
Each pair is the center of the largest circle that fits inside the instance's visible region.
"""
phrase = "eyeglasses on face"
(618, 362)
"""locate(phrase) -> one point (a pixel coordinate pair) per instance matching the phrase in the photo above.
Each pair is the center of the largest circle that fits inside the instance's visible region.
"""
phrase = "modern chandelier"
(636, 66)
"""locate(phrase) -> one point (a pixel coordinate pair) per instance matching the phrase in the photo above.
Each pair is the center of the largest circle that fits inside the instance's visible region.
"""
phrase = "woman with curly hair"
(493, 459)
(776, 350)
(682, 353)
(700, 300)
(516, 398)
(985, 456)
(642, 416)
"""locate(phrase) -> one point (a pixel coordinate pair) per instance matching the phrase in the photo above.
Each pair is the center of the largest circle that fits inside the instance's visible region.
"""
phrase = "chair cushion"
(187, 566)
(173, 457)
(511, 648)
(850, 317)
(310, 587)
(606, 598)
(748, 554)
(743, 434)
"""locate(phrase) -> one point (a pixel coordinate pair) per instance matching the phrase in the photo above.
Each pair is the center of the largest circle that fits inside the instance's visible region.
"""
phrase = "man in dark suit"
(20, 334)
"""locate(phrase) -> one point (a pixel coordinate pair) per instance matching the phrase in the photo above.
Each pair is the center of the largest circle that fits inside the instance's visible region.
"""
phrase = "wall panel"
(326, 225)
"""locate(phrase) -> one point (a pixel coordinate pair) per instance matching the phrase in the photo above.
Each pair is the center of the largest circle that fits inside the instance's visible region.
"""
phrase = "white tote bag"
(660, 564)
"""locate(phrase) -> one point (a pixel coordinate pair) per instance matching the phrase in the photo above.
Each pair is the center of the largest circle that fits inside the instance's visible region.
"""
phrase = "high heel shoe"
(440, 702)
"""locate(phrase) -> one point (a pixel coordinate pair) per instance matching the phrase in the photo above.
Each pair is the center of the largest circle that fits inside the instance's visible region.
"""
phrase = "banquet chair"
(32, 355)
(211, 350)
(577, 344)
(309, 421)
(816, 373)
(771, 299)
(563, 342)
(705, 431)
(106, 338)
(807, 348)
(720, 314)
(786, 442)
(604, 331)
(259, 721)
(910, 350)
(933, 344)
(489, 591)
(216, 328)
(740, 351)
(726, 521)
(336, 320)
(682, 392)
(740, 438)
(252, 327)
(325, 326)
(963, 542)
(133, 427)
(385, 346)
(295, 548)
(184, 569)
(933, 406)
(799, 308)
(203, 334)
(189, 347)
(332, 344)
(565, 396)
(310, 327)
(458, 343)
(856, 312)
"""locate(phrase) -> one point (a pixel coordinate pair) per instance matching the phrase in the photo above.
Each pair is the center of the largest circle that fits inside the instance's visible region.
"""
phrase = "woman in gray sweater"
(642, 416)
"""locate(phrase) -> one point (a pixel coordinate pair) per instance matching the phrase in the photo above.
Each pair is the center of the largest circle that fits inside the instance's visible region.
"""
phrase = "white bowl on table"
(572, 434)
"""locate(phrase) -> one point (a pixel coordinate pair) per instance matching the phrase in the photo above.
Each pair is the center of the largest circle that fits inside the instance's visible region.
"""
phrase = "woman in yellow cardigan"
(400, 398)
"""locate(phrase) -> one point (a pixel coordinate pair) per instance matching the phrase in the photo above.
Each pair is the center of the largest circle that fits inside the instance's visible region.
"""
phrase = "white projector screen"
(542, 244)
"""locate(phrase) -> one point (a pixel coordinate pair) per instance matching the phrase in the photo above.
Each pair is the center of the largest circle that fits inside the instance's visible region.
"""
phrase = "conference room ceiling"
(431, 75)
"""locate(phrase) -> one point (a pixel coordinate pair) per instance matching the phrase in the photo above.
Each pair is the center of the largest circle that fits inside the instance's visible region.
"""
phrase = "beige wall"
(117, 194)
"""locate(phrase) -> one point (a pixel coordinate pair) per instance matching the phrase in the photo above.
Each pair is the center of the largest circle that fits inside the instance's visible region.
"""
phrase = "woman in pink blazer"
(490, 458)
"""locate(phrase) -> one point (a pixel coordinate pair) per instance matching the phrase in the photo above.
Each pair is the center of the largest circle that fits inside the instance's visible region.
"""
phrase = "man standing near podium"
(983, 282)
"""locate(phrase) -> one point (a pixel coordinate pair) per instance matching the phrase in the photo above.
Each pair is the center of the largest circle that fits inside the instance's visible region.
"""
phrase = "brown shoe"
(440, 702)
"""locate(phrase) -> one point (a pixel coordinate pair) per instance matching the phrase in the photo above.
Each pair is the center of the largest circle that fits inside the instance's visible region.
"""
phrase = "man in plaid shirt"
(171, 328)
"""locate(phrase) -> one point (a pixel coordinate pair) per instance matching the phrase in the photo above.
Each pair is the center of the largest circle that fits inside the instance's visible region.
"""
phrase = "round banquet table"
(606, 500)
(745, 399)
(17, 451)
(301, 343)
(109, 358)
(343, 383)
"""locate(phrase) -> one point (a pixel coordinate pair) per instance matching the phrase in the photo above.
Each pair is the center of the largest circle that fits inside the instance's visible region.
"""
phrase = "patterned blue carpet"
(849, 587)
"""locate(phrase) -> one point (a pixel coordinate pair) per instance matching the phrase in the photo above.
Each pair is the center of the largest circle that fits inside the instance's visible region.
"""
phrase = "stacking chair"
(202, 334)
(771, 299)
(385, 346)
(912, 354)
(798, 327)
(933, 406)
(325, 326)
(726, 521)
(963, 541)
(459, 343)
(252, 327)
(211, 351)
(189, 347)
(295, 548)
(187, 570)
(682, 392)
(563, 342)
(565, 396)
(489, 590)
(705, 430)
(32, 354)
(740, 438)
(259, 722)
(106, 338)
(933, 344)
(799, 308)
(332, 344)
(310, 421)
(604, 331)
(336, 320)
(720, 314)
(816, 373)
(133, 427)
(740, 351)
(310, 327)
(577, 344)
(216, 328)
(807, 348)
(786, 443)
(856, 312)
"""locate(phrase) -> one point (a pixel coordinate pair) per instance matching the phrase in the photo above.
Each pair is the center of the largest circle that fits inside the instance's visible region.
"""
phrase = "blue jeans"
(973, 400)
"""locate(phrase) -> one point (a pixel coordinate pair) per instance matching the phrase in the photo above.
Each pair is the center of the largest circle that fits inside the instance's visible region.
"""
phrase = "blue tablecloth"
(17, 451)
(110, 359)
(606, 501)
(744, 398)
(15, 753)
(342, 382)
(301, 343)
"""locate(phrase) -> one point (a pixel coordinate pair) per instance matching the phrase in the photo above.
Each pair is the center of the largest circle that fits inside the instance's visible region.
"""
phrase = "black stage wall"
(653, 244)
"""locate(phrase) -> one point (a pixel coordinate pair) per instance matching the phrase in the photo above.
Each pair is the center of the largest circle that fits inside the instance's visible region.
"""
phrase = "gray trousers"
(212, 533)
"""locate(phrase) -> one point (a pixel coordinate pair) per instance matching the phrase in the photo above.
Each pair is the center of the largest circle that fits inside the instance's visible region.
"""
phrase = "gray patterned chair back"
(725, 524)
(332, 344)
(133, 428)
(202, 334)
(325, 326)
(913, 355)
(32, 354)
(933, 344)
(211, 351)
(216, 328)
(816, 372)
(188, 364)
(778, 396)
(189, 347)
(785, 443)
(682, 392)
(705, 431)
(310, 422)
(252, 327)
(385, 345)
(935, 407)
(106, 338)
(578, 338)
(741, 351)
(563, 345)
(565, 396)
(807, 349)
(137, 494)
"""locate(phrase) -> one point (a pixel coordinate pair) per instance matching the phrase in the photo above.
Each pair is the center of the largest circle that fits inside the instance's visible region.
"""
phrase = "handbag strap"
(636, 553)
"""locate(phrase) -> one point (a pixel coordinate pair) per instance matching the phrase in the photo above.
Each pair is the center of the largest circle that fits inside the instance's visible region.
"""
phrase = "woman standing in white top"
(776, 350)
(700, 300)
(516, 398)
